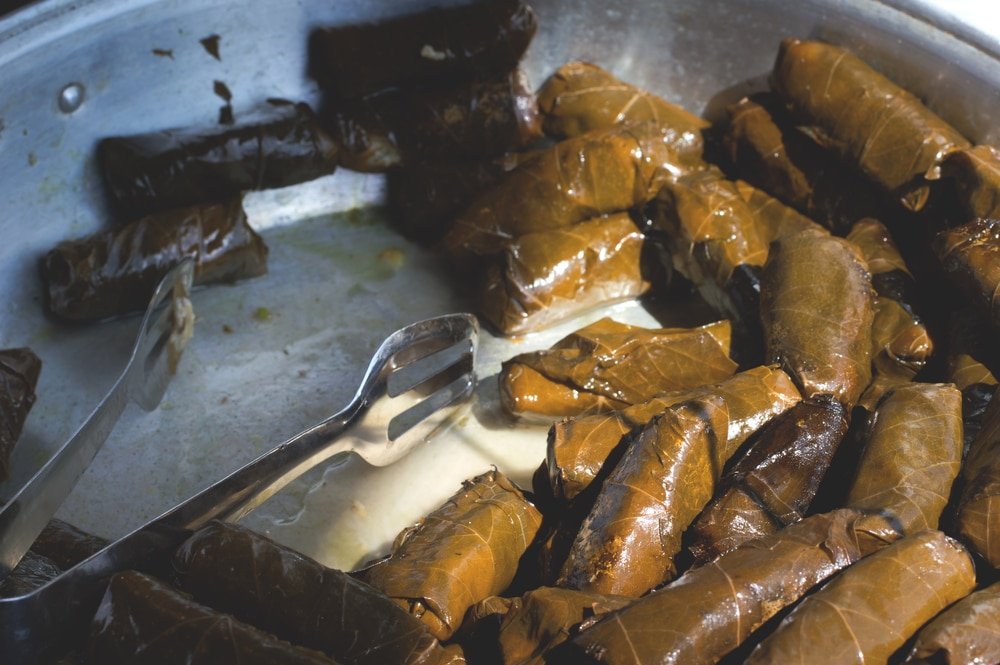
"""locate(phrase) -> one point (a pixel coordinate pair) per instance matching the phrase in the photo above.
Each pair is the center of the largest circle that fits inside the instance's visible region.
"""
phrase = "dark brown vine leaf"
(971, 356)
(967, 632)
(578, 447)
(142, 620)
(609, 365)
(912, 455)
(460, 554)
(66, 545)
(775, 481)
(31, 572)
(580, 97)
(19, 370)
(820, 335)
(976, 174)
(970, 255)
(867, 119)
(710, 610)
(114, 272)
(549, 276)
(869, 611)
(242, 573)
(598, 173)
(979, 505)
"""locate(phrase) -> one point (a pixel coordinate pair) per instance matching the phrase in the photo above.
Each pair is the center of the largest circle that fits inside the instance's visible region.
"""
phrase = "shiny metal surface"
(35, 627)
(143, 381)
(333, 286)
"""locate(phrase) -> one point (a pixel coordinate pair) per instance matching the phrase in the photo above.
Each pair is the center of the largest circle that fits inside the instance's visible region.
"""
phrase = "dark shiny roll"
(67, 545)
(19, 370)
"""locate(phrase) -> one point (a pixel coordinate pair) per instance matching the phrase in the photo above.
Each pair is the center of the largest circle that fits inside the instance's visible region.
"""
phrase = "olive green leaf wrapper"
(710, 610)
(282, 144)
(461, 553)
(869, 611)
(664, 479)
(548, 276)
(864, 117)
(436, 48)
(821, 336)
(594, 174)
(775, 481)
(769, 151)
(66, 545)
(580, 97)
(979, 504)
(115, 272)
(142, 620)
(976, 174)
(609, 365)
(393, 127)
(237, 571)
(970, 255)
(579, 447)
(912, 455)
(967, 632)
(19, 370)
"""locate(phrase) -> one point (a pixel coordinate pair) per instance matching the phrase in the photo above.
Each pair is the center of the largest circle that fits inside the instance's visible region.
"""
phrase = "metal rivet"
(71, 97)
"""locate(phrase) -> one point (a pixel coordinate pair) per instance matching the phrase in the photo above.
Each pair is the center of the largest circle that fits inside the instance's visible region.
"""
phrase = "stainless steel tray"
(332, 257)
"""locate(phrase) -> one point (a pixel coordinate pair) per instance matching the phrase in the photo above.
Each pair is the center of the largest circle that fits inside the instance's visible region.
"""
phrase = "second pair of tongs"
(416, 379)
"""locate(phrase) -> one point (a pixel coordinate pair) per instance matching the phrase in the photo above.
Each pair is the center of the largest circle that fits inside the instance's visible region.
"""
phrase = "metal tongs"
(416, 379)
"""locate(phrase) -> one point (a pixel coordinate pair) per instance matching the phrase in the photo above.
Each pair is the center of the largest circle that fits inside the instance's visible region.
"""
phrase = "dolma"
(970, 356)
(768, 150)
(978, 519)
(970, 255)
(548, 276)
(712, 609)
(665, 478)
(609, 365)
(66, 545)
(580, 97)
(32, 572)
(901, 344)
(864, 117)
(280, 145)
(439, 48)
(578, 448)
(820, 335)
(965, 633)
(594, 174)
(142, 620)
(976, 175)
(774, 218)
(392, 127)
(19, 370)
(237, 571)
(912, 455)
(461, 553)
(867, 612)
(114, 272)
(773, 484)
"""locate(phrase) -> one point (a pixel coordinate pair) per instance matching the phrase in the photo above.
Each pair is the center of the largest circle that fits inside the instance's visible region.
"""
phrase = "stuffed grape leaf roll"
(234, 570)
(439, 48)
(775, 219)
(979, 505)
(820, 335)
(912, 455)
(142, 620)
(548, 276)
(976, 174)
(869, 611)
(867, 119)
(710, 610)
(66, 545)
(282, 144)
(609, 365)
(580, 97)
(31, 572)
(19, 370)
(463, 552)
(773, 484)
(965, 633)
(970, 357)
(970, 255)
(114, 272)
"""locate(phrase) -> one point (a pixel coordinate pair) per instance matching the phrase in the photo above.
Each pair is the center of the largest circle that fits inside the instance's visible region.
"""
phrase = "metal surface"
(338, 280)
(143, 381)
(38, 626)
